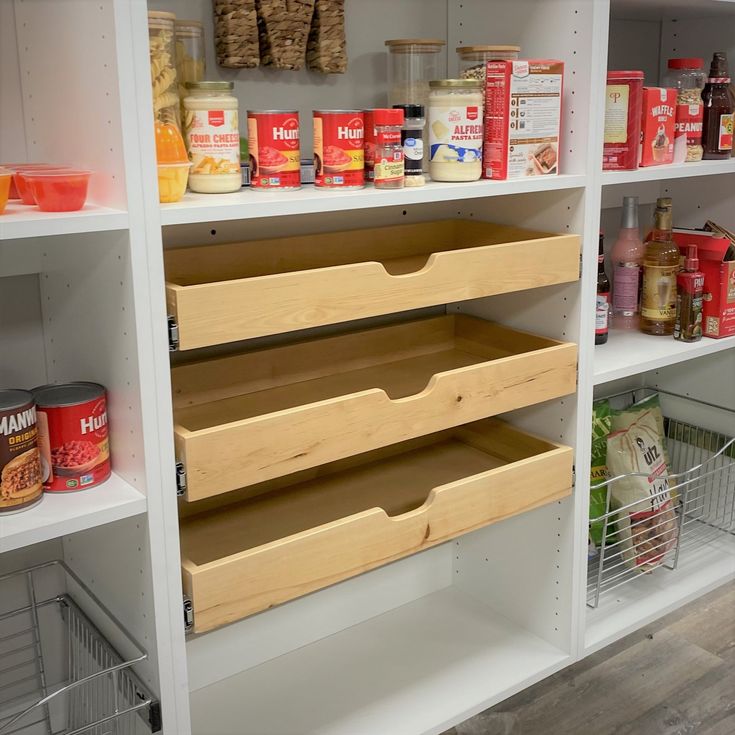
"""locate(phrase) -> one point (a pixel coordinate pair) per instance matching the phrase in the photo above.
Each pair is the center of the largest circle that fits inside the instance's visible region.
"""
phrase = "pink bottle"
(627, 263)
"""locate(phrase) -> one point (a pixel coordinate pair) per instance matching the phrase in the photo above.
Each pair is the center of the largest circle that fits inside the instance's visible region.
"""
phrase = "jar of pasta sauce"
(72, 436)
(212, 137)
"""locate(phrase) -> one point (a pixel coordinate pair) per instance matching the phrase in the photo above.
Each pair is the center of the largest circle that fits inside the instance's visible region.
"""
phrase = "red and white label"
(275, 154)
(74, 445)
(216, 118)
(339, 155)
(726, 130)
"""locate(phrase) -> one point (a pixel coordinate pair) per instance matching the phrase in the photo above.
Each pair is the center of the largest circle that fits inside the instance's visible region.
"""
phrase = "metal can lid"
(273, 112)
(456, 83)
(211, 86)
(11, 398)
(67, 394)
(622, 75)
(336, 112)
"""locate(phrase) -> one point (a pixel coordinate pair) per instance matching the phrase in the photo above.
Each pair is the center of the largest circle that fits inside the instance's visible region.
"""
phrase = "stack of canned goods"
(53, 439)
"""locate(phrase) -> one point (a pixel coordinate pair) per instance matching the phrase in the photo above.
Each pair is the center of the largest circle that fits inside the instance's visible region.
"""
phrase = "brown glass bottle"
(660, 266)
(602, 306)
(717, 131)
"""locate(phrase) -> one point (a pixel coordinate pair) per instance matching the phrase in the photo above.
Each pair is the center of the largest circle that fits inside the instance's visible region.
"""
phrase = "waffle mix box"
(522, 118)
(658, 126)
(716, 252)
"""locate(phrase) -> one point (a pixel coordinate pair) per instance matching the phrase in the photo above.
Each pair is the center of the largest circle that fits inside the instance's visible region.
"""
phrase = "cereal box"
(522, 118)
(658, 126)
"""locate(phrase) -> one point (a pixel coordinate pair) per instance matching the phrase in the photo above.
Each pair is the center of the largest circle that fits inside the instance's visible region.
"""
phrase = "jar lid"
(625, 75)
(487, 49)
(189, 28)
(387, 116)
(686, 63)
(411, 110)
(160, 18)
(211, 86)
(405, 45)
(456, 83)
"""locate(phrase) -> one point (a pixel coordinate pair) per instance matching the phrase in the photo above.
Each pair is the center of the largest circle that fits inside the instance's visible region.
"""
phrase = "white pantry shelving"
(631, 353)
(419, 644)
(62, 514)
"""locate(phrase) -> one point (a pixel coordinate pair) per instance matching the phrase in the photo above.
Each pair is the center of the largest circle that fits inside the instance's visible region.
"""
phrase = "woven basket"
(236, 34)
(326, 50)
(283, 29)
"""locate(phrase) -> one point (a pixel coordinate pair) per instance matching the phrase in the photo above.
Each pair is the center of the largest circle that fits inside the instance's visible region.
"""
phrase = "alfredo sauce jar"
(72, 436)
(273, 143)
(339, 156)
(20, 463)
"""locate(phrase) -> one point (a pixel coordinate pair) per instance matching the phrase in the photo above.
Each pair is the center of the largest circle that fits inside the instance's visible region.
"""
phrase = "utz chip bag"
(646, 521)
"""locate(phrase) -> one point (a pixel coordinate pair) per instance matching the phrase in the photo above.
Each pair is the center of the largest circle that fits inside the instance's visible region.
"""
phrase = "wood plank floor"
(674, 677)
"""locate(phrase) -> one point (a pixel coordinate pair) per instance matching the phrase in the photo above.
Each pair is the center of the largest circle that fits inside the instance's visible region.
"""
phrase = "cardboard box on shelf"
(522, 118)
(658, 122)
(716, 252)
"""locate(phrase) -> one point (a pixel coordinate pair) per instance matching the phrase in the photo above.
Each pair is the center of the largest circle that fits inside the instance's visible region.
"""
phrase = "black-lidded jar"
(412, 138)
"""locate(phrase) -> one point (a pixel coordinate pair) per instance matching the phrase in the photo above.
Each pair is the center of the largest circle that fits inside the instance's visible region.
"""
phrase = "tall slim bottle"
(660, 267)
(719, 113)
(627, 261)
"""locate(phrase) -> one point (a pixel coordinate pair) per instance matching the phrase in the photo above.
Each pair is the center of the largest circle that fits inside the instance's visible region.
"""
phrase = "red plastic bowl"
(22, 190)
(63, 190)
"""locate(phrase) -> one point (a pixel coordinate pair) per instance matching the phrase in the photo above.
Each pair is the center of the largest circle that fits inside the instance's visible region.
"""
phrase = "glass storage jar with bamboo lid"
(412, 64)
(472, 59)
(162, 50)
(190, 56)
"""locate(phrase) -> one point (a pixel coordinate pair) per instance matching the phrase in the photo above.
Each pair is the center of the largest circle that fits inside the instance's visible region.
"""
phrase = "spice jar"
(388, 149)
(212, 137)
(455, 130)
(190, 59)
(412, 64)
(687, 76)
(473, 60)
(162, 49)
(412, 138)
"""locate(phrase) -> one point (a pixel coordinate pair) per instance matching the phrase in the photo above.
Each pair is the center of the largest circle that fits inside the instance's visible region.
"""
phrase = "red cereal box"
(658, 126)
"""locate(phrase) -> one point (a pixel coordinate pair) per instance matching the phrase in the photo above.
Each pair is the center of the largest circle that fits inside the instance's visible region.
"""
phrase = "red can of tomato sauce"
(273, 144)
(339, 157)
(369, 145)
(72, 436)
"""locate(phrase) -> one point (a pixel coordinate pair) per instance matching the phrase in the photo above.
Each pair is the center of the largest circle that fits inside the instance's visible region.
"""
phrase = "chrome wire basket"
(697, 509)
(59, 674)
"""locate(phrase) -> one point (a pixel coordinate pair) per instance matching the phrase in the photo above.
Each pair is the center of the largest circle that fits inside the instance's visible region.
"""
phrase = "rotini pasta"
(164, 86)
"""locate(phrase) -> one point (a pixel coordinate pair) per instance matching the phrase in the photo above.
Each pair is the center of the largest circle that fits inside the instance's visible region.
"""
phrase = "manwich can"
(273, 145)
(339, 156)
(72, 435)
(20, 463)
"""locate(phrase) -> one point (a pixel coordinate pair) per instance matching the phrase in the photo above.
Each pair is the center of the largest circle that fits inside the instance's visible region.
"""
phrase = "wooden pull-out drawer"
(225, 293)
(325, 525)
(244, 419)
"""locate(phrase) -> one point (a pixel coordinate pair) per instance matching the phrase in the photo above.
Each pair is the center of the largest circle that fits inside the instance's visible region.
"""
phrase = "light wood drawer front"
(225, 293)
(357, 515)
(245, 419)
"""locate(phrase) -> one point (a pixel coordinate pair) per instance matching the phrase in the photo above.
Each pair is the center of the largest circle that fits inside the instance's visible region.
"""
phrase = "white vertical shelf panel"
(12, 140)
(71, 101)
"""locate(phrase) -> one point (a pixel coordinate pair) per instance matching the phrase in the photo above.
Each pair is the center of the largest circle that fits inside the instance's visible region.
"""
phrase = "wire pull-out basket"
(701, 492)
(60, 674)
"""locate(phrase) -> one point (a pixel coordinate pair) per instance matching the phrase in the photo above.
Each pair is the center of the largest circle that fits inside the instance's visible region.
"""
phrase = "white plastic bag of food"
(646, 521)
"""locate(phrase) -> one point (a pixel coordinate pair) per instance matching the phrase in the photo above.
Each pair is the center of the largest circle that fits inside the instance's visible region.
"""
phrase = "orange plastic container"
(59, 190)
(6, 178)
(22, 189)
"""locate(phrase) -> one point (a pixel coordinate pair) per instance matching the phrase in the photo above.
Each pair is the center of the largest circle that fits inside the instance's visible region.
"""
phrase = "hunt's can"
(339, 156)
(273, 145)
(20, 463)
(72, 436)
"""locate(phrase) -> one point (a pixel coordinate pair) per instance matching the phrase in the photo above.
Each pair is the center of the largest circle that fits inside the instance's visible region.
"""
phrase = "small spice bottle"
(412, 138)
(690, 292)
(389, 164)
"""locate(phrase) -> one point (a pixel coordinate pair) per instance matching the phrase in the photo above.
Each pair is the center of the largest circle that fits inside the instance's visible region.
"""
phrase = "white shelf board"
(249, 204)
(20, 220)
(647, 598)
(631, 352)
(672, 171)
(62, 514)
(419, 668)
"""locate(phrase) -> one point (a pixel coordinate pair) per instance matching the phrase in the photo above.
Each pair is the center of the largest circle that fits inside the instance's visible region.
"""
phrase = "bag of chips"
(645, 519)
(601, 425)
